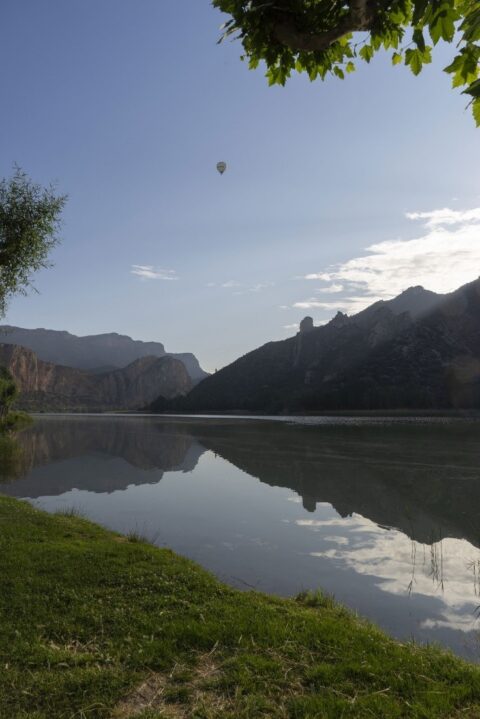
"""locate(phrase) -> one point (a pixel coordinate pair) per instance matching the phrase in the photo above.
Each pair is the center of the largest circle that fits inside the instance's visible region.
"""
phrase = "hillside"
(419, 350)
(96, 353)
(47, 386)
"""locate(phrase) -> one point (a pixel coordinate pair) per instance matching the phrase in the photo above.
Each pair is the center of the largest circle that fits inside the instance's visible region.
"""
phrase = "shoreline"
(345, 419)
(92, 621)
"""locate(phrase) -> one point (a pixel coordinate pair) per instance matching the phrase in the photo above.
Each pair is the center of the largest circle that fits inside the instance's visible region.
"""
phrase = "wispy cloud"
(260, 286)
(446, 216)
(443, 257)
(241, 288)
(330, 289)
(314, 303)
(149, 272)
(231, 283)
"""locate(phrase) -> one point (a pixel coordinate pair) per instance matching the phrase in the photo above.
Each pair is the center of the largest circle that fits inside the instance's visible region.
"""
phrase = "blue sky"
(128, 106)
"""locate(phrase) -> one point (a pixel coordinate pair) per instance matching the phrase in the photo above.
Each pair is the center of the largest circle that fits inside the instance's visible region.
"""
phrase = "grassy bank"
(14, 421)
(97, 625)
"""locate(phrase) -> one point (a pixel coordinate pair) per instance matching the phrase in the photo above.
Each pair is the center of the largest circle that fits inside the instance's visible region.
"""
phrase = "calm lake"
(383, 514)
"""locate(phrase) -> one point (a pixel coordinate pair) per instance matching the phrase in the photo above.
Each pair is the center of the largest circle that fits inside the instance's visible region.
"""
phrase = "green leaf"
(471, 26)
(272, 76)
(397, 58)
(443, 25)
(339, 72)
(464, 67)
(427, 55)
(366, 53)
(414, 59)
(350, 67)
(473, 90)
(476, 111)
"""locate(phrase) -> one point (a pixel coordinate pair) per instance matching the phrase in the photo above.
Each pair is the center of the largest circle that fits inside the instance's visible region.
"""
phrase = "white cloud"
(241, 287)
(445, 256)
(330, 290)
(231, 283)
(400, 565)
(149, 272)
(446, 216)
(260, 286)
(314, 303)
(295, 326)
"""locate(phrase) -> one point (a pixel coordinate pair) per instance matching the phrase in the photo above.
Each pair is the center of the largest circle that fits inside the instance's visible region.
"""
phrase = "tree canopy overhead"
(319, 36)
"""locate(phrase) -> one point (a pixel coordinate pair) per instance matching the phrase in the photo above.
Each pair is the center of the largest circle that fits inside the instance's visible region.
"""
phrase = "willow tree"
(322, 37)
(29, 224)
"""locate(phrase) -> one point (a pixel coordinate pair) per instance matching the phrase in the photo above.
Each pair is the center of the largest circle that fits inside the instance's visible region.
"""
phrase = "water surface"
(383, 514)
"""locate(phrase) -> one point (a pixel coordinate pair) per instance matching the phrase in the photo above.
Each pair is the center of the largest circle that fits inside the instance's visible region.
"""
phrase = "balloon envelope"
(221, 167)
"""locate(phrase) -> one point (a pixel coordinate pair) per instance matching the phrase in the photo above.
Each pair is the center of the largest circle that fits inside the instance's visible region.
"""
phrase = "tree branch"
(359, 17)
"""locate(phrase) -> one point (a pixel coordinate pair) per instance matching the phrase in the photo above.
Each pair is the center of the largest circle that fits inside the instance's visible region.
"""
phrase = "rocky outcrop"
(44, 385)
(306, 325)
(95, 353)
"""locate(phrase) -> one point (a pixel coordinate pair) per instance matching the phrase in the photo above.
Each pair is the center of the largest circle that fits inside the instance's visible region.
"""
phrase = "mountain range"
(47, 386)
(418, 350)
(95, 353)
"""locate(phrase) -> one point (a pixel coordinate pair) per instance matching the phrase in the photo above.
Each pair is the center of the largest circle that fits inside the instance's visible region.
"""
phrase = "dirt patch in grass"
(178, 694)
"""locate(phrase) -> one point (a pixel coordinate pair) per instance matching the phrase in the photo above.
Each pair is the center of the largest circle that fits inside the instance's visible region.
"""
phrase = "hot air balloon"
(221, 167)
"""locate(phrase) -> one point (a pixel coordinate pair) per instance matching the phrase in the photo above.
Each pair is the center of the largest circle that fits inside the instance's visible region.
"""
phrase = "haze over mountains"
(95, 353)
(59, 371)
(419, 350)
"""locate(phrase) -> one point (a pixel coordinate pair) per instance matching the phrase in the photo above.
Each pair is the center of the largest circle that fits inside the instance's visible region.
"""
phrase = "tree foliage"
(320, 37)
(8, 392)
(29, 223)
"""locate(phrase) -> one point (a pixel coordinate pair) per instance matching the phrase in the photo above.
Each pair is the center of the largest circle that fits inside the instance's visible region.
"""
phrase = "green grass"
(93, 625)
(15, 421)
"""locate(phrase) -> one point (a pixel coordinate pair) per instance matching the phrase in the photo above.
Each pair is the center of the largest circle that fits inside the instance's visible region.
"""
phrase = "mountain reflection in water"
(385, 516)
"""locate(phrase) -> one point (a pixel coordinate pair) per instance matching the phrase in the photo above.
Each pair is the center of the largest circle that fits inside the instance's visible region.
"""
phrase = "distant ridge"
(418, 350)
(95, 353)
(46, 386)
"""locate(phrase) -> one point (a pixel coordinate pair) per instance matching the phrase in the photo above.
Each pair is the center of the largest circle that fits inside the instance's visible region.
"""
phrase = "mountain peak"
(339, 320)
(414, 290)
(415, 300)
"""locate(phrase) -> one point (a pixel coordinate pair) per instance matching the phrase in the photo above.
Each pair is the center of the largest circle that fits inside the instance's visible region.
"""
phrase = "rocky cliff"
(420, 350)
(96, 353)
(44, 385)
